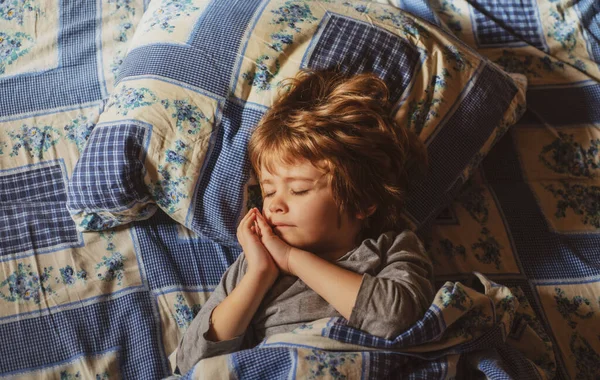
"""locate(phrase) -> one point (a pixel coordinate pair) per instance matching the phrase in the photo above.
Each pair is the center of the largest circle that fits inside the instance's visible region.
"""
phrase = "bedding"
(114, 303)
(182, 124)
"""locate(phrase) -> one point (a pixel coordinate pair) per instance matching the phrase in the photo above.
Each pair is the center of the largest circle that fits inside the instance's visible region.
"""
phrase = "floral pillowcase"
(197, 80)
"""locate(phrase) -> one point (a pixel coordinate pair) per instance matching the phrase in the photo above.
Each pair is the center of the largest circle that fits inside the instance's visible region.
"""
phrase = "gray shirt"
(396, 290)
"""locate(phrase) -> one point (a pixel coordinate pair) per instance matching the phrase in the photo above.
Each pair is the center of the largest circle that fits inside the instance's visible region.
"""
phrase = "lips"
(282, 225)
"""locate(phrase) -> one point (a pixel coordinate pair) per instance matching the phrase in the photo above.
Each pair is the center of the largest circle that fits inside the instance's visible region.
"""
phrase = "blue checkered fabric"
(218, 201)
(355, 47)
(566, 105)
(67, 332)
(33, 215)
(179, 262)
(428, 328)
(460, 139)
(268, 363)
(506, 22)
(109, 174)
(589, 14)
(73, 82)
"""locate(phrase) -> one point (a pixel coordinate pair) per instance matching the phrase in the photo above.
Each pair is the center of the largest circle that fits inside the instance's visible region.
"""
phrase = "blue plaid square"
(109, 174)
(514, 22)
(266, 363)
(219, 200)
(355, 47)
(192, 262)
(33, 216)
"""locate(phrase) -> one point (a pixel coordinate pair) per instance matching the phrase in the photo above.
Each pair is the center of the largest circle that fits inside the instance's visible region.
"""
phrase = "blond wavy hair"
(345, 122)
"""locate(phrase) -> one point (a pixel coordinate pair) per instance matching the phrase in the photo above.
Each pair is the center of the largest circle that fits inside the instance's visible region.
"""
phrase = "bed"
(155, 100)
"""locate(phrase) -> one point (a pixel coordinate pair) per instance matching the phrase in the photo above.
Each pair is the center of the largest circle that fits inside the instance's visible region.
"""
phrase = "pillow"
(199, 76)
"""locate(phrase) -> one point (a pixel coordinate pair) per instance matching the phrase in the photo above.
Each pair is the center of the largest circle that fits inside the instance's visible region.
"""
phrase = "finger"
(257, 229)
(249, 222)
(264, 227)
(248, 214)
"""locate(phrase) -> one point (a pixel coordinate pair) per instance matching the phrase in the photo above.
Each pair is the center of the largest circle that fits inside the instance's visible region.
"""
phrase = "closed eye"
(302, 192)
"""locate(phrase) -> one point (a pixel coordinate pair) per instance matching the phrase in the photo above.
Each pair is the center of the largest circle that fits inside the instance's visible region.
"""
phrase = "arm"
(338, 286)
(232, 304)
(383, 305)
(399, 295)
(195, 345)
(231, 317)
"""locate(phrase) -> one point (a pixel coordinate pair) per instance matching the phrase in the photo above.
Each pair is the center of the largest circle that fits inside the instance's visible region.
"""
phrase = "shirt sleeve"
(393, 300)
(194, 346)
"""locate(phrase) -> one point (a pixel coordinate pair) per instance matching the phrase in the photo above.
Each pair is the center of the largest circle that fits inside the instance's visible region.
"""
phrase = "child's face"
(298, 203)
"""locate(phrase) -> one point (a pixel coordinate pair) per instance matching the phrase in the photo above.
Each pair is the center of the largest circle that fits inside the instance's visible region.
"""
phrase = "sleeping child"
(333, 168)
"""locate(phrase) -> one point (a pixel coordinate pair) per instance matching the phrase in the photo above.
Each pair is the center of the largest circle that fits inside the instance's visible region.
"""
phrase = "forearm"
(336, 285)
(232, 316)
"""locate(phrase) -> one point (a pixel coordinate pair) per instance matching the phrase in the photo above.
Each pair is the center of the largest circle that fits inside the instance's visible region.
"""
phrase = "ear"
(365, 215)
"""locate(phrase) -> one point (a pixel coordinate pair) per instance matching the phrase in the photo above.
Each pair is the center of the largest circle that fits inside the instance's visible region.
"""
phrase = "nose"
(277, 204)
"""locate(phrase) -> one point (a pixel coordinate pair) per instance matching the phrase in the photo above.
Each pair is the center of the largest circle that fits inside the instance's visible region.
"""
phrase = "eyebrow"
(290, 179)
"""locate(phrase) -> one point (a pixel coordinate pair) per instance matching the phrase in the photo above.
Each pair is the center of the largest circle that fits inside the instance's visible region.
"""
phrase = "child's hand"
(259, 259)
(279, 250)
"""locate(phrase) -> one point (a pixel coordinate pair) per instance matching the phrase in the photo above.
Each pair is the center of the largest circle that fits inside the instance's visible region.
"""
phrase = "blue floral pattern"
(490, 248)
(452, 54)
(262, 76)
(34, 140)
(565, 32)
(15, 9)
(586, 357)
(360, 8)
(449, 12)
(2, 146)
(469, 323)
(451, 251)
(123, 5)
(566, 156)
(572, 308)
(327, 364)
(175, 156)
(190, 119)
(79, 130)
(280, 39)
(406, 24)
(111, 267)
(422, 111)
(116, 63)
(184, 314)
(128, 98)
(583, 200)
(66, 375)
(455, 296)
(93, 222)
(167, 192)
(24, 285)
(123, 28)
(12, 47)
(168, 11)
(291, 14)
(68, 276)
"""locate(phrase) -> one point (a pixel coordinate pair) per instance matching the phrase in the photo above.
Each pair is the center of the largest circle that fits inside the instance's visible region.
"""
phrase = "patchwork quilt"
(123, 126)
